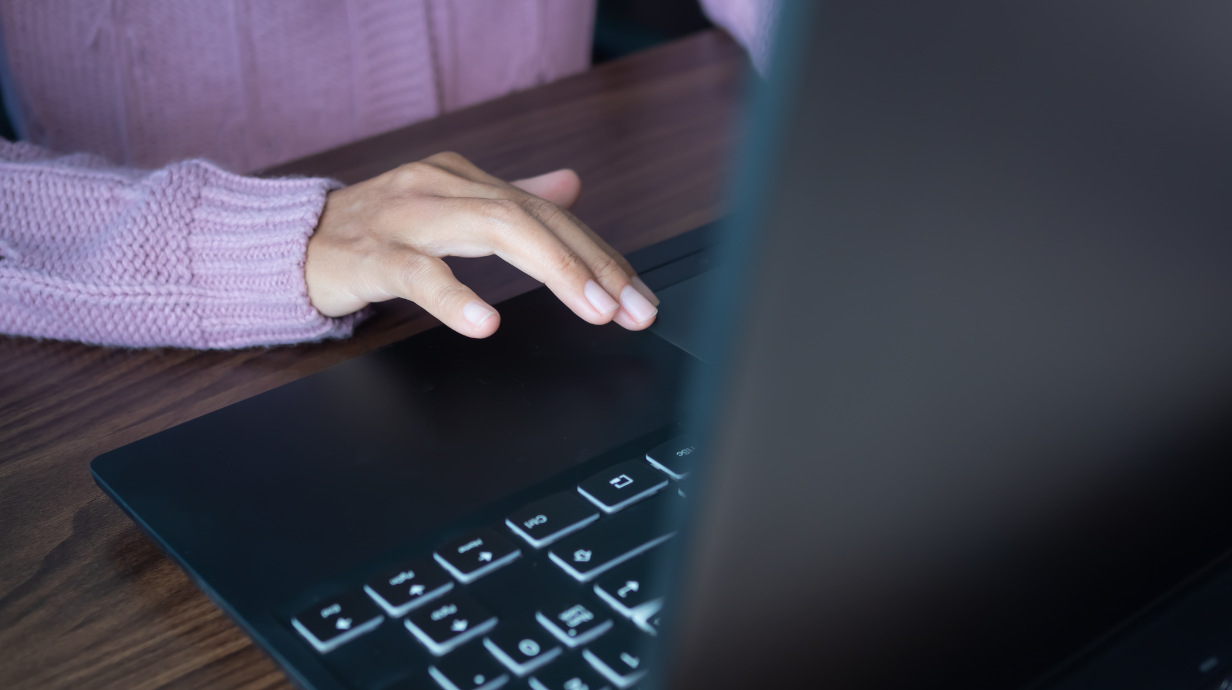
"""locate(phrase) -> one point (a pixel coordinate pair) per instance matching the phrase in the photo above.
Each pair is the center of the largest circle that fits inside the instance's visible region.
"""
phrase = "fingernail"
(599, 299)
(638, 307)
(645, 290)
(477, 313)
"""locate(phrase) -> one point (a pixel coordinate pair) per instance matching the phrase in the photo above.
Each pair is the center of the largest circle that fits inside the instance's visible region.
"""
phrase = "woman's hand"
(383, 238)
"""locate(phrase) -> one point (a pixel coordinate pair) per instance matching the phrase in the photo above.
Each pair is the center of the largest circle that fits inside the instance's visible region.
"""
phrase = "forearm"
(186, 256)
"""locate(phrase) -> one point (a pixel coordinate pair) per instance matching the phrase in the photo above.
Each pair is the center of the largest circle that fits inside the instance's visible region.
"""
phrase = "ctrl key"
(332, 623)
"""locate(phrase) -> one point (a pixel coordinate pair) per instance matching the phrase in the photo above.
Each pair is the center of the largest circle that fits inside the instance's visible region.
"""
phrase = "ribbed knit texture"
(190, 255)
(249, 84)
(186, 256)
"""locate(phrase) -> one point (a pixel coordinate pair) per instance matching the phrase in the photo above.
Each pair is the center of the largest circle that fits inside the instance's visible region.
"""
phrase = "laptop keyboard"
(561, 596)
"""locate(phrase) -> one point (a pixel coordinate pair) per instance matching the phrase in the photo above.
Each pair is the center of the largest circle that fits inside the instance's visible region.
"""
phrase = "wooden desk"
(85, 599)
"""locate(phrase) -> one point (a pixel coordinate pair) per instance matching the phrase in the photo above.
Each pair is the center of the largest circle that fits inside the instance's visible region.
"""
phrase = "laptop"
(943, 404)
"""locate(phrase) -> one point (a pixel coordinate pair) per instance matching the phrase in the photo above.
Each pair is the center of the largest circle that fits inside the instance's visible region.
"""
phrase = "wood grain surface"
(86, 601)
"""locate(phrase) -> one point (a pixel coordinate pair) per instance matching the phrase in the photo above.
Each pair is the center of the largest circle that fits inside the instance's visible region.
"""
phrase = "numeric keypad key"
(408, 586)
(573, 621)
(449, 622)
(336, 621)
(476, 554)
(618, 656)
(522, 646)
(570, 674)
(469, 669)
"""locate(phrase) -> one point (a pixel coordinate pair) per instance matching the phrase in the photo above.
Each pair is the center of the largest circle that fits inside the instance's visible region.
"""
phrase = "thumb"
(560, 187)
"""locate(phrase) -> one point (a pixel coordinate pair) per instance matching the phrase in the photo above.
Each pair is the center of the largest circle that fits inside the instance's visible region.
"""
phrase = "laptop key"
(573, 621)
(648, 622)
(547, 520)
(631, 589)
(623, 485)
(469, 669)
(476, 554)
(593, 551)
(570, 674)
(449, 622)
(333, 622)
(522, 646)
(618, 657)
(675, 457)
(408, 586)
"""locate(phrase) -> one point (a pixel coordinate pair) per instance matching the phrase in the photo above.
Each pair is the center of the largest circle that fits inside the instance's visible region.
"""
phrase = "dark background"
(622, 27)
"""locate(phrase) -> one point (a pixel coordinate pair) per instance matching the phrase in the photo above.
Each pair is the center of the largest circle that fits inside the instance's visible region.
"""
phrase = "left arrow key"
(333, 622)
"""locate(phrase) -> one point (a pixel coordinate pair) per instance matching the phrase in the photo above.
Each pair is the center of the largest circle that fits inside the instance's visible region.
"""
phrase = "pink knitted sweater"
(141, 241)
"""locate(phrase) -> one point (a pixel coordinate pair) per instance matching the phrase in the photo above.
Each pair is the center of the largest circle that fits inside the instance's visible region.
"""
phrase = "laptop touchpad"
(679, 320)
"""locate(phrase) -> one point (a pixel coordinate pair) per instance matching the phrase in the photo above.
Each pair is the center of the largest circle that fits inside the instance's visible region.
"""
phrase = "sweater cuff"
(247, 243)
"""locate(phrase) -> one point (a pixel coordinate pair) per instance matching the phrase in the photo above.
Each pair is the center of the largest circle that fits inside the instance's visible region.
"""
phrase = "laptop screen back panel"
(974, 410)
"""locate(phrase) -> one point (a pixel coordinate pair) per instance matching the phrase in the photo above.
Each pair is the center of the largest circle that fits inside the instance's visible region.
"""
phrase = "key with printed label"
(623, 485)
(574, 621)
(632, 588)
(449, 622)
(675, 457)
(408, 586)
(572, 673)
(618, 656)
(522, 646)
(469, 669)
(336, 621)
(545, 521)
(476, 554)
(610, 542)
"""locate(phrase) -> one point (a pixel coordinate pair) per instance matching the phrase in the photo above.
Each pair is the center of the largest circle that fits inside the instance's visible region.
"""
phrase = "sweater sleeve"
(185, 256)
(750, 22)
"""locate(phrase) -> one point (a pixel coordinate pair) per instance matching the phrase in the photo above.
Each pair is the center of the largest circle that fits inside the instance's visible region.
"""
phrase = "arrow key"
(334, 622)
(408, 586)
(476, 554)
(448, 622)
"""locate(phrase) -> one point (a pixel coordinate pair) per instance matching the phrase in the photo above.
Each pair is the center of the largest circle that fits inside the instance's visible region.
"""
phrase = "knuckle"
(542, 209)
(412, 269)
(568, 262)
(605, 267)
(502, 212)
(446, 293)
(449, 160)
(413, 174)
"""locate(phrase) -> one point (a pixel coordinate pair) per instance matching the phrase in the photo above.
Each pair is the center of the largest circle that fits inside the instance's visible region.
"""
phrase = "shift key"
(587, 554)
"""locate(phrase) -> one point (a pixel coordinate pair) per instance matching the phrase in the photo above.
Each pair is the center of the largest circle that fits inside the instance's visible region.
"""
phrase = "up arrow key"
(485, 556)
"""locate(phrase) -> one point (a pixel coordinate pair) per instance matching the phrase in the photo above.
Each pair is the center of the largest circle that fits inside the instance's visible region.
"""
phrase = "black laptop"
(944, 404)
